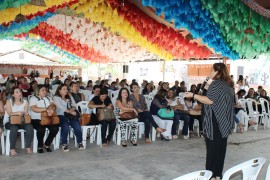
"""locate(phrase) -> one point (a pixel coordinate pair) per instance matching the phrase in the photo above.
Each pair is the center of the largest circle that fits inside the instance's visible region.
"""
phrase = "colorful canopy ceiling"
(124, 31)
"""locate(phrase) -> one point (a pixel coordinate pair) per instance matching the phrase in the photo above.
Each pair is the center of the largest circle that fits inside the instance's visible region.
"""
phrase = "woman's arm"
(92, 105)
(83, 97)
(120, 106)
(26, 108)
(2, 110)
(157, 103)
(202, 99)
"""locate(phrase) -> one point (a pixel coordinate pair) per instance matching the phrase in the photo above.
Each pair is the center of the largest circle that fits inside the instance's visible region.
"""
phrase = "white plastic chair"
(7, 134)
(93, 128)
(243, 103)
(54, 87)
(254, 114)
(249, 168)
(197, 175)
(265, 112)
(267, 177)
(86, 93)
(3, 143)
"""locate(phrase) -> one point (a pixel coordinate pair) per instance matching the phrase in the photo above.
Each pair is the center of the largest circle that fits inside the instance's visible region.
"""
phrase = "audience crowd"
(23, 97)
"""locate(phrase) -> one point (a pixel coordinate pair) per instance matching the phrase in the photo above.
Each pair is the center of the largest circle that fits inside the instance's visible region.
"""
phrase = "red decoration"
(64, 41)
(165, 37)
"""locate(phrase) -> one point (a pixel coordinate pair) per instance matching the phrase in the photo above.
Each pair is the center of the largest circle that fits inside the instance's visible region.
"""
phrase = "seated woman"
(33, 85)
(89, 85)
(47, 84)
(144, 115)
(78, 97)
(194, 110)
(147, 90)
(96, 91)
(159, 102)
(179, 114)
(124, 104)
(16, 105)
(24, 86)
(66, 104)
(39, 103)
(102, 101)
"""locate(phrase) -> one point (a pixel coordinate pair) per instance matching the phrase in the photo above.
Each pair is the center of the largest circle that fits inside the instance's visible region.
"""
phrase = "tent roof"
(24, 57)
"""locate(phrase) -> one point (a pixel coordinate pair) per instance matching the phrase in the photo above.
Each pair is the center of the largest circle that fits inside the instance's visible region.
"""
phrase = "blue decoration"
(190, 15)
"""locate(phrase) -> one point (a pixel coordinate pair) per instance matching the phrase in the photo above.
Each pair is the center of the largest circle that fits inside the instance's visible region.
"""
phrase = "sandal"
(29, 151)
(160, 130)
(104, 145)
(13, 152)
(147, 141)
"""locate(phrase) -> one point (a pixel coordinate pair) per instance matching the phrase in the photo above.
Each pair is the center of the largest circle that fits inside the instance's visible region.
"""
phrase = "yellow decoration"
(98, 11)
(9, 14)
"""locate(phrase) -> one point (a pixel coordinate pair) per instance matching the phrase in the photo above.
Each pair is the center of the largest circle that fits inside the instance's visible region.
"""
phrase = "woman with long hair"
(124, 104)
(16, 105)
(159, 102)
(66, 111)
(218, 117)
(89, 85)
(145, 116)
(39, 103)
(147, 89)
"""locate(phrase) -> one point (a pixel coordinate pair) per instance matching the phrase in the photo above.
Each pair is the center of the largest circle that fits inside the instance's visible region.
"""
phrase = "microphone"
(204, 83)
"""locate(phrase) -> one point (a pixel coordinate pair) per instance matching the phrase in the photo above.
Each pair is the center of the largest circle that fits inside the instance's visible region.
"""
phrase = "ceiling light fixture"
(20, 18)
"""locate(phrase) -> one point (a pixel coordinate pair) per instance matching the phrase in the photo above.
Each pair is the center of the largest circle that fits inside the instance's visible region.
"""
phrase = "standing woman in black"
(218, 117)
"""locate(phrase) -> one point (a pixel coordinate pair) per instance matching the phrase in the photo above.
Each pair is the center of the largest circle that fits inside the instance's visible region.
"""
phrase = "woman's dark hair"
(103, 91)
(241, 91)
(133, 84)
(161, 87)
(31, 83)
(46, 79)
(198, 87)
(96, 86)
(90, 81)
(263, 91)
(172, 91)
(65, 81)
(193, 85)
(36, 92)
(113, 83)
(240, 79)
(160, 83)
(222, 73)
(120, 95)
(102, 83)
(161, 94)
(57, 92)
(145, 89)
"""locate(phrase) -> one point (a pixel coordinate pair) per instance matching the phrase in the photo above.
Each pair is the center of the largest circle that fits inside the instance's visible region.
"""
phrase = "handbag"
(71, 117)
(163, 114)
(16, 119)
(85, 119)
(105, 114)
(47, 120)
(127, 116)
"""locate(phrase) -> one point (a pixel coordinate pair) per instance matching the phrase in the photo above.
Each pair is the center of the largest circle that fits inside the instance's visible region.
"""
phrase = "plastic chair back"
(83, 107)
(197, 175)
(265, 105)
(249, 168)
(267, 177)
(243, 103)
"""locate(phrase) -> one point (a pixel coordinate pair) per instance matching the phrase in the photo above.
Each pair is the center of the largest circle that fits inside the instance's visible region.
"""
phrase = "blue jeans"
(75, 124)
(179, 115)
(235, 118)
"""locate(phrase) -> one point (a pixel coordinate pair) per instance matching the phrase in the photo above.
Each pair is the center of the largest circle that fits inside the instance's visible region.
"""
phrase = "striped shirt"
(222, 96)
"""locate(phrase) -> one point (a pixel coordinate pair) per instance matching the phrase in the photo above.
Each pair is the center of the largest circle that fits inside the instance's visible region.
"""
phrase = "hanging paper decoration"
(102, 40)
(233, 18)
(191, 16)
(30, 11)
(99, 11)
(4, 4)
(157, 33)
(17, 28)
(65, 42)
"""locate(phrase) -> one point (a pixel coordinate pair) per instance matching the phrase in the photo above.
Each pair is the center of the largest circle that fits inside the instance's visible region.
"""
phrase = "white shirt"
(14, 108)
(39, 102)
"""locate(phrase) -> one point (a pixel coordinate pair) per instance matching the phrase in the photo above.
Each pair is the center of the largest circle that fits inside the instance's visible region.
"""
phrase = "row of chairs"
(250, 171)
